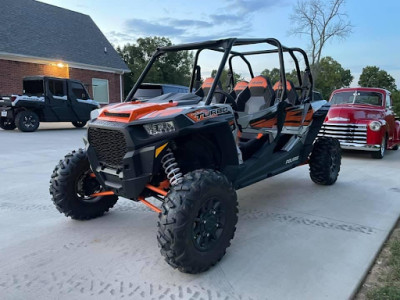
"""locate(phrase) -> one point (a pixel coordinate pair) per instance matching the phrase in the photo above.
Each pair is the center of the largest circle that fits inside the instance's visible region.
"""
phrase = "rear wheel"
(198, 221)
(27, 121)
(71, 186)
(382, 149)
(325, 161)
(7, 124)
(395, 147)
(79, 124)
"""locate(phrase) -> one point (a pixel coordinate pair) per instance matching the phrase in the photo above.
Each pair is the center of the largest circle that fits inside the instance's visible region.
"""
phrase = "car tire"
(27, 121)
(79, 124)
(382, 150)
(325, 161)
(6, 124)
(186, 240)
(396, 147)
(71, 185)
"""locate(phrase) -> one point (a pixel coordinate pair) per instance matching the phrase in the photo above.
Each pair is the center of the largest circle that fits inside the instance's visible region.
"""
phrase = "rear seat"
(292, 96)
(258, 95)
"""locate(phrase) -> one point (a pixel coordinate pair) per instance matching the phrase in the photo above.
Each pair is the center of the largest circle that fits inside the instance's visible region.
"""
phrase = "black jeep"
(46, 99)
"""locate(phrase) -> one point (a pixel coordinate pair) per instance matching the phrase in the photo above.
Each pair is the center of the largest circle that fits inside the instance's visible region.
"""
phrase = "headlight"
(94, 114)
(375, 125)
(159, 128)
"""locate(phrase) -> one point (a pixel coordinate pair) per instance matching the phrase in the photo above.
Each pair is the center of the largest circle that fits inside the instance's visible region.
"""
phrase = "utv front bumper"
(116, 164)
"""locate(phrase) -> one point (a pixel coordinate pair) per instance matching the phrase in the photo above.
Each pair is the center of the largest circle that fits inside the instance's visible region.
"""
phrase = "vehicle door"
(58, 108)
(80, 100)
(389, 118)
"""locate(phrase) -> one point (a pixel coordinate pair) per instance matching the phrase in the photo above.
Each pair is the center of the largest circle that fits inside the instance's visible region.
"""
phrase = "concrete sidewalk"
(294, 240)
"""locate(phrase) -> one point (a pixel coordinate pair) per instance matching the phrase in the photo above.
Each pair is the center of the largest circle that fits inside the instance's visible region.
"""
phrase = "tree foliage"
(321, 21)
(330, 76)
(224, 77)
(396, 102)
(173, 67)
(274, 75)
(372, 76)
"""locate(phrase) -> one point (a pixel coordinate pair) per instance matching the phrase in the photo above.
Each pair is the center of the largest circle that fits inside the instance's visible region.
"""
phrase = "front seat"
(239, 87)
(257, 96)
(205, 89)
(292, 96)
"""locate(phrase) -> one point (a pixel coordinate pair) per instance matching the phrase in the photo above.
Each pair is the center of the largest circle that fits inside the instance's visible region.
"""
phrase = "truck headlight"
(375, 125)
(159, 128)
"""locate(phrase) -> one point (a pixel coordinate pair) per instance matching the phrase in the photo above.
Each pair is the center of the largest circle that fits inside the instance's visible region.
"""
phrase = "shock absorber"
(171, 168)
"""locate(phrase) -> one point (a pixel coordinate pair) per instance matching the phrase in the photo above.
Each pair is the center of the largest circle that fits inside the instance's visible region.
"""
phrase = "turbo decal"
(202, 114)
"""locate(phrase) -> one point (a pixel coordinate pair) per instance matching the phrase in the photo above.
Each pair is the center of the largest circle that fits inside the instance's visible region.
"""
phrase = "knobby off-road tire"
(27, 121)
(71, 185)
(198, 221)
(6, 124)
(79, 124)
(382, 149)
(325, 161)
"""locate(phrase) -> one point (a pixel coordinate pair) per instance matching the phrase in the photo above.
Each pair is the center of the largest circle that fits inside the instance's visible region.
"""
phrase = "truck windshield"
(357, 97)
(33, 87)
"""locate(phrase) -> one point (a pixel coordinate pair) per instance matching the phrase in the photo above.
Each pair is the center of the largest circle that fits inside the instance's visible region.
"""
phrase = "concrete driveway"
(295, 239)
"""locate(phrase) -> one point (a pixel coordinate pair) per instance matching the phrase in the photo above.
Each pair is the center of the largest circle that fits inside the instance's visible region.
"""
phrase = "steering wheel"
(228, 98)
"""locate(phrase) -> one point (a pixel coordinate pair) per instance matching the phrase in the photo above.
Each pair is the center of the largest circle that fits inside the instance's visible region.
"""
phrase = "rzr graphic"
(193, 151)
(202, 114)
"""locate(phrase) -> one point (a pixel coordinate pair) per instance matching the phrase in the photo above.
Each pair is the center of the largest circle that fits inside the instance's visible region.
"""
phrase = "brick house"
(42, 39)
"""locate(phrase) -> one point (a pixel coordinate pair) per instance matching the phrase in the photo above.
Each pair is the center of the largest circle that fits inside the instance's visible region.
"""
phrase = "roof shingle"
(37, 29)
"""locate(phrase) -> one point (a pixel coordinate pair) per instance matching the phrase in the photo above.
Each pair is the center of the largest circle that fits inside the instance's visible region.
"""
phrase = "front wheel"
(71, 186)
(325, 161)
(79, 124)
(7, 124)
(382, 149)
(198, 221)
(27, 121)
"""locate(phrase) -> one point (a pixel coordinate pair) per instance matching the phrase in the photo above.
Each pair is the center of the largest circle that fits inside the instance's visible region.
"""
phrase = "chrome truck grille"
(345, 133)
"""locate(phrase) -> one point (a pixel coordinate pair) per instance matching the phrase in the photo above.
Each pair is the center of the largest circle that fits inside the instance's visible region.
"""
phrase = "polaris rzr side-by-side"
(192, 151)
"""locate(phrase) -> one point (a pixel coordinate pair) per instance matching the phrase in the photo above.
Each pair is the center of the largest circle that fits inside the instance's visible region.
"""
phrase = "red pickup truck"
(363, 119)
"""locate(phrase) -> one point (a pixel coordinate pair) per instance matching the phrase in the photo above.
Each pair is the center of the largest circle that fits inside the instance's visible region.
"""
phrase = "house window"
(100, 90)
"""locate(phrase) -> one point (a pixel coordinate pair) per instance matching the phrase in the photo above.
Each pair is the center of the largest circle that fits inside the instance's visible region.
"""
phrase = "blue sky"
(375, 38)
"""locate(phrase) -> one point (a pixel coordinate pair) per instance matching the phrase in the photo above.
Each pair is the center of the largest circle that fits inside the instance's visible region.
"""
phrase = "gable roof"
(34, 29)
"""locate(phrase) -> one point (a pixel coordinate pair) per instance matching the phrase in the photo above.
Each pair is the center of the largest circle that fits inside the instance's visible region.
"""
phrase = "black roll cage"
(225, 46)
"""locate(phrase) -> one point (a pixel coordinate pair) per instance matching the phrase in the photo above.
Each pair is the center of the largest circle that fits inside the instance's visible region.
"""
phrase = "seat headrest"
(258, 85)
(207, 83)
(278, 86)
(240, 86)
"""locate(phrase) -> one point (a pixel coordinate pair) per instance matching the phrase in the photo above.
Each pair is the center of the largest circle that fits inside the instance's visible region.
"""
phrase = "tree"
(372, 76)
(224, 76)
(321, 21)
(173, 67)
(274, 75)
(331, 76)
(396, 102)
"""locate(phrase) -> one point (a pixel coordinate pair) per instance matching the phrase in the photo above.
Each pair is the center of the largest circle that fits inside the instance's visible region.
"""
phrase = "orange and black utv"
(192, 151)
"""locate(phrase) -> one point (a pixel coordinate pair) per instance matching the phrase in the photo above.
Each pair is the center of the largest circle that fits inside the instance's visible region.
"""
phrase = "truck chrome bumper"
(363, 147)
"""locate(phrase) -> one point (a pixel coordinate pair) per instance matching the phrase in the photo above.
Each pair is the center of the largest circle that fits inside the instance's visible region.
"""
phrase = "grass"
(385, 285)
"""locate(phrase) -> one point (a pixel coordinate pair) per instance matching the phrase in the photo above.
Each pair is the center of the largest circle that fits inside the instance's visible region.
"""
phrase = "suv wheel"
(79, 124)
(7, 124)
(27, 121)
(198, 221)
(382, 149)
(325, 161)
(71, 187)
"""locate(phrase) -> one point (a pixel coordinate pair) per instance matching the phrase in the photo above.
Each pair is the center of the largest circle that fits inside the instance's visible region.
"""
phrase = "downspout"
(120, 87)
